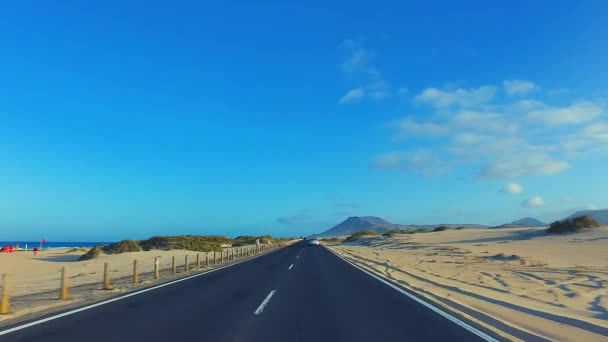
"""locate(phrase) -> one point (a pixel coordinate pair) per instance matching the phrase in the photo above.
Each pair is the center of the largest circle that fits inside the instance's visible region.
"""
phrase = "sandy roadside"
(35, 280)
(550, 286)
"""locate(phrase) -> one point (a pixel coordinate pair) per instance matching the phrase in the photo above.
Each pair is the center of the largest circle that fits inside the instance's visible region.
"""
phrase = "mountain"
(355, 224)
(601, 216)
(525, 222)
(449, 225)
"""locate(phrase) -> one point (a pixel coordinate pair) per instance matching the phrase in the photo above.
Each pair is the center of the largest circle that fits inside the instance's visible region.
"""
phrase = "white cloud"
(512, 188)
(379, 89)
(597, 132)
(519, 87)
(408, 128)
(388, 160)
(352, 95)
(576, 113)
(458, 97)
(359, 66)
(533, 202)
(484, 122)
(424, 161)
(522, 165)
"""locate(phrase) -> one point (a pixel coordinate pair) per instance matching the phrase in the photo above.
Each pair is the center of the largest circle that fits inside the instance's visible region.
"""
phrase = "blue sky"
(129, 120)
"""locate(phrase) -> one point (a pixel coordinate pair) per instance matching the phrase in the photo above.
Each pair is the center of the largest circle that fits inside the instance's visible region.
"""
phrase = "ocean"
(51, 244)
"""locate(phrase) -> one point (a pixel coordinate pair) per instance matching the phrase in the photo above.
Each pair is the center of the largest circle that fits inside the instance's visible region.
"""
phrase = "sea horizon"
(53, 244)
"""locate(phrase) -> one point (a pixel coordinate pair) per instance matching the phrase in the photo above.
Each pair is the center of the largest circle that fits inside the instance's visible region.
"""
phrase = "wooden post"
(135, 274)
(222, 256)
(186, 266)
(4, 299)
(198, 261)
(156, 268)
(63, 290)
(233, 254)
(173, 267)
(207, 259)
(106, 277)
(214, 259)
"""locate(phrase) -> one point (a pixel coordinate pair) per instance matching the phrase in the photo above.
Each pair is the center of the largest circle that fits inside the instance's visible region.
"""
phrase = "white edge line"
(290, 267)
(68, 313)
(426, 304)
(264, 303)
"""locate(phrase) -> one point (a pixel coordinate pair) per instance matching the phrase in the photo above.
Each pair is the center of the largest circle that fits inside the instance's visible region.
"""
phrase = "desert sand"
(34, 280)
(550, 286)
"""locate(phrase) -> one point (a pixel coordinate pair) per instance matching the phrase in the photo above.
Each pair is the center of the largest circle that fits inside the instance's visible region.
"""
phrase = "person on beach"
(35, 250)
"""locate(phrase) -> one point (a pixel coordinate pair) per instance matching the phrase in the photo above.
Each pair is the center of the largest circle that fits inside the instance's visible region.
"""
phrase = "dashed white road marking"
(264, 303)
(298, 257)
(290, 267)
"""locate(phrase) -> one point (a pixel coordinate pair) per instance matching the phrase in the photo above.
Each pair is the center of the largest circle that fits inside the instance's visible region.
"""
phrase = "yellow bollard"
(4, 297)
(135, 274)
(63, 291)
(106, 277)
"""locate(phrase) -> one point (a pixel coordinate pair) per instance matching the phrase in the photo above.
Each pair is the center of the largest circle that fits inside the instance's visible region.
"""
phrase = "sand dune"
(551, 286)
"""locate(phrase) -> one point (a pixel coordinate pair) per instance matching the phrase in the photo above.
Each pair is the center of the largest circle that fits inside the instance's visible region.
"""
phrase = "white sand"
(561, 278)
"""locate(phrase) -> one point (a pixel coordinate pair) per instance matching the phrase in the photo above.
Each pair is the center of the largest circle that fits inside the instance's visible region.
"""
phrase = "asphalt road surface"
(298, 293)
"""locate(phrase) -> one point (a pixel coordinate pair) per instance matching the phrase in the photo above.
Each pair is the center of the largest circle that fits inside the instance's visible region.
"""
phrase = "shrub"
(331, 240)
(460, 228)
(123, 246)
(187, 242)
(356, 236)
(390, 233)
(572, 225)
(441, 228)
(91, 254)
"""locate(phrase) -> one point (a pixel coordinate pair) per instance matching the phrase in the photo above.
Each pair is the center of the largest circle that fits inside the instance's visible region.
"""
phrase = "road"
(309, 295)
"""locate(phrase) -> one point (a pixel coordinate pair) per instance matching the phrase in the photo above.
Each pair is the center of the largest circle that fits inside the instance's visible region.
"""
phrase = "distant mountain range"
(355, 224)
(525, 222)
(601, 216)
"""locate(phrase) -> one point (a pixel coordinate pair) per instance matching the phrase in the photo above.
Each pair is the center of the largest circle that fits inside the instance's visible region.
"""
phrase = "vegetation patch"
(440, 228)
(573, 225)
(187, 242)
(390, 233)
(91, 254)
(123, 246)
(356, 236)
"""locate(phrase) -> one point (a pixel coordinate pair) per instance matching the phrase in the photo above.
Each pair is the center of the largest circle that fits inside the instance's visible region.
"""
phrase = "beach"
(553, 286)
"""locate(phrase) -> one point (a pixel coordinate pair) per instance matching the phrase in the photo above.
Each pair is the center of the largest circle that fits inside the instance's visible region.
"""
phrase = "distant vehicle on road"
(314, 242)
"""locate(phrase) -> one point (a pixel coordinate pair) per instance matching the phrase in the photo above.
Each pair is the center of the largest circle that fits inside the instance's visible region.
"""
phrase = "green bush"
(572, 225)
(332, 240)
(356, 236)
(390, 233)
(441, 228)
(123, 246)
(187, 242)
(460, 228)
(91, 254)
